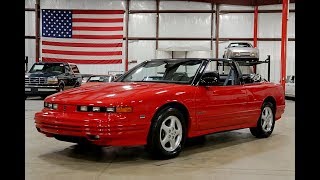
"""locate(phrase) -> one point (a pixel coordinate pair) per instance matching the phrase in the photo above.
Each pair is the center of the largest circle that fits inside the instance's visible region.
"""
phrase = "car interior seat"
(212, 78)
(180, 76)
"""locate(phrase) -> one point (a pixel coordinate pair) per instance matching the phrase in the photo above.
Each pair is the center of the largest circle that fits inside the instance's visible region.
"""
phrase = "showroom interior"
(160, 29)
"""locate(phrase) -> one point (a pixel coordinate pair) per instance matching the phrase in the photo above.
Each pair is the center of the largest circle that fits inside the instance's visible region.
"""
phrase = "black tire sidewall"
(61, 86)
(154, 135)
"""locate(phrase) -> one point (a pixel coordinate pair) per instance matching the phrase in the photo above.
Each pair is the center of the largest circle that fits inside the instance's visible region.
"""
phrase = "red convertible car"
(160, 103)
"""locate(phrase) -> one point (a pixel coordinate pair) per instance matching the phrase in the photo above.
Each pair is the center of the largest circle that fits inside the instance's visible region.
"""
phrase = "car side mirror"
(208, 81)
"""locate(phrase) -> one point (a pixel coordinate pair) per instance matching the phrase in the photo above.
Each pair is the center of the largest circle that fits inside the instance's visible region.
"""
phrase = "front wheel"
(266, 122)
(167, 134)
(61, 87)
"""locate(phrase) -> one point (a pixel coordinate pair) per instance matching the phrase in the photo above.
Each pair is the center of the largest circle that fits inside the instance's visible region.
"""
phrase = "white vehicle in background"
(290, 86)
(241, 51)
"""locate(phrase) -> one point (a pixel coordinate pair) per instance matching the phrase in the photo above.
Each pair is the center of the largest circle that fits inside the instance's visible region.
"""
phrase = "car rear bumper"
(97, 130)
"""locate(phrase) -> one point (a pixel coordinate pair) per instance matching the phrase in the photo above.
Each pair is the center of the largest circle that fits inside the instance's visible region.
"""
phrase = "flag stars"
(55, 24)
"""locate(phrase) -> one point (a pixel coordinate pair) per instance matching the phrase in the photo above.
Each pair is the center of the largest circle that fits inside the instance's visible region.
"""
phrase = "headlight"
(50, 105)
(253, 54)
(54, 106)
(52, 80)
(110, 109)
(119, 109)
(83, 108)
(236, 54)
(96, 109)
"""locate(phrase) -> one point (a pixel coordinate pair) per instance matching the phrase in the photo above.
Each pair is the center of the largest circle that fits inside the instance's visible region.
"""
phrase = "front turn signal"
(121, 109)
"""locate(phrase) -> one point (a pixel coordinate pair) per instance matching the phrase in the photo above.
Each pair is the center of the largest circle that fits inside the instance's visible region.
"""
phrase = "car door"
(75, 76)
(221, 105)
(67, 77)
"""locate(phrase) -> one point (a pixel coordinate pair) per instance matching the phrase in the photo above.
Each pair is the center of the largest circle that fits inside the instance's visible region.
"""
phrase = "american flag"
(82, 36)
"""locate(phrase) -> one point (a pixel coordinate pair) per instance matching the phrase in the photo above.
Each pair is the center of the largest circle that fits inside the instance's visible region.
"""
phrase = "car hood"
(114, 92)
(42, 74)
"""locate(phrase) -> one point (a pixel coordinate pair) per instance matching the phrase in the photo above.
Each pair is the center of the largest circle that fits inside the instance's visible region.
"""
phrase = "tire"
(61, 87)
(267, 115)
(76, 85)
(167, 134)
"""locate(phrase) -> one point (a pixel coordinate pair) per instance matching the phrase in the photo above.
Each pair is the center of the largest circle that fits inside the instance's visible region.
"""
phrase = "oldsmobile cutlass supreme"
(160, 103)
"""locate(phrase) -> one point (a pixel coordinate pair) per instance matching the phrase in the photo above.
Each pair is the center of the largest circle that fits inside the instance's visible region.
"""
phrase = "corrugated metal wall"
(237, 25)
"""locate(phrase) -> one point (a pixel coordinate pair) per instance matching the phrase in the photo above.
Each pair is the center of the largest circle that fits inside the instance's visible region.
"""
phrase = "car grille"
(245, 53)
(35, 81)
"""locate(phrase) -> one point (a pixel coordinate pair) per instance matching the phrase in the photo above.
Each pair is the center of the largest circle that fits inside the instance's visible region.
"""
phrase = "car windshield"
(47, 68)
(99, 79)
(239, 45)
(166, 71)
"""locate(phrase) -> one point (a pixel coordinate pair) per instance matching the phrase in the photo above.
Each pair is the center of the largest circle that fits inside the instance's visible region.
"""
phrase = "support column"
(217, 31)
(284, 39)
(255, 33)
(37, 23)
(157, 25)
(127, 37)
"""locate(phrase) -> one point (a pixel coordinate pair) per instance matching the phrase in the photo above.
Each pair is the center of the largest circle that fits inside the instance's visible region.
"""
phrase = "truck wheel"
(77, 85)
(61, 87)
(167, 134)
(266, 122)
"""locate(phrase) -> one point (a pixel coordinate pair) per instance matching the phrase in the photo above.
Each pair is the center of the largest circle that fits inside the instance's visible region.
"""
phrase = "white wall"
(235, 25)
(198, 25)
(29, 3)
(270, 26)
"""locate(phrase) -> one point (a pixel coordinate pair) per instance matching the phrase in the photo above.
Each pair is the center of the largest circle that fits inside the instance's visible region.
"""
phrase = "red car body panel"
(210, 109)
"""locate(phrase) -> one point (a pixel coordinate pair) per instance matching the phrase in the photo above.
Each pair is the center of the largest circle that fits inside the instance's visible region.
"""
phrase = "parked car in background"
(290, 86)
(46, 78)
(85, 78)
(241, 51)
(117, 76)
(182, 99)
(98, 79)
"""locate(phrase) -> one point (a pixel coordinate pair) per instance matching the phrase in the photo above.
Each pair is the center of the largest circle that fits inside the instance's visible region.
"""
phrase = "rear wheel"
(266, 122)
(167, 134)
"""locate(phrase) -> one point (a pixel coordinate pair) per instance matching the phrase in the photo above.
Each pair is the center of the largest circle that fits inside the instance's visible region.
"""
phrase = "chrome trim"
(41, 86)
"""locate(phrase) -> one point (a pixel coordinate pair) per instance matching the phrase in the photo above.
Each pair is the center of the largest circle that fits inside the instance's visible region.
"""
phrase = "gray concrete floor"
(228, 155)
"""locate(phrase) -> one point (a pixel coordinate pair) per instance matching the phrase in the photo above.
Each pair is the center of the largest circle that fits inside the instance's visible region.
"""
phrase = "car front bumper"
(40, 90)
(103, 130)
(244, 58)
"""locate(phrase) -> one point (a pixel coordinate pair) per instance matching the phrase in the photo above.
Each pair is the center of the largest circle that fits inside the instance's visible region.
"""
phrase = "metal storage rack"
(249, 63)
